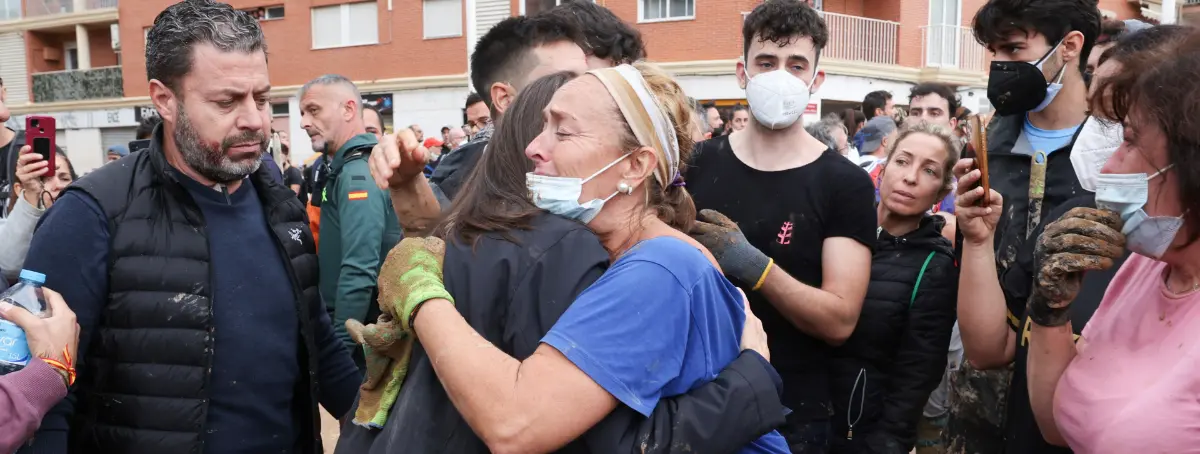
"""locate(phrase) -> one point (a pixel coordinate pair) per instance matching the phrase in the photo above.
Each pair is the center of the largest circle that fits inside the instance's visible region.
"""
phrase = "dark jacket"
(512, 293)
(882, 376)
(453, 169)
(358, 228)
(159, 255)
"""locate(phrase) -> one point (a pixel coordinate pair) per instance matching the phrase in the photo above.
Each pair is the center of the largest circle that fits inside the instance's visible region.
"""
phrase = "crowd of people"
(602, 263)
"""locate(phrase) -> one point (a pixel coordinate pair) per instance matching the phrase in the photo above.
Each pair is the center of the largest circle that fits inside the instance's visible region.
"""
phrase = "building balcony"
(75, 85)
(861, 39)
(38, 8)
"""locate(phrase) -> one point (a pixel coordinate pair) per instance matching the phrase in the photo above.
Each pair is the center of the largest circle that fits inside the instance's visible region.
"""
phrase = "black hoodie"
(881, 377)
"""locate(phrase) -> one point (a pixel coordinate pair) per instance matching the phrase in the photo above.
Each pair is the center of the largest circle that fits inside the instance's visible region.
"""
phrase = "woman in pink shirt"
(26, 395)
(1130, 383)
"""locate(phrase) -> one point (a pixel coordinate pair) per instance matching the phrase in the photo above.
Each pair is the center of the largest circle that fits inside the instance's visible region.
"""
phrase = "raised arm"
(988, 341)
(1085, 239)
(396, 165)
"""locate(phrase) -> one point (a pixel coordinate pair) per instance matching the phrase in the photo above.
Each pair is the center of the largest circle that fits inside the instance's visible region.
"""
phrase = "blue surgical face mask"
(1126, 194)
(560, 195)
(1052, 88)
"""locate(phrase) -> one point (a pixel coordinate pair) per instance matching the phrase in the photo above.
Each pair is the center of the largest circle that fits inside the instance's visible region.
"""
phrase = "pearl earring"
(625, 188)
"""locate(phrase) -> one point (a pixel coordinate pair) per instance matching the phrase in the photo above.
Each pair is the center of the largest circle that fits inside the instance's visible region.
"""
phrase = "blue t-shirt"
(660, 322)
(1047, 140)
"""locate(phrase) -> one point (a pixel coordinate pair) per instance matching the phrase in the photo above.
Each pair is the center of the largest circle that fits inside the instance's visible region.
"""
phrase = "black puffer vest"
(144, 386)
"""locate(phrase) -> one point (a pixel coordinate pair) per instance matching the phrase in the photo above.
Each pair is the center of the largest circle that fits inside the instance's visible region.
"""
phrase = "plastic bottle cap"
(34, 276)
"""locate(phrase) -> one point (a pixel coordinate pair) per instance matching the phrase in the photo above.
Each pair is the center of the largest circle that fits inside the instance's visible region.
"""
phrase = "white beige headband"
(651, 126)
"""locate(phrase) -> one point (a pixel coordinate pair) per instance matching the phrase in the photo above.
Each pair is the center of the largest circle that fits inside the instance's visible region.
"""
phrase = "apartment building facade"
(83, 61)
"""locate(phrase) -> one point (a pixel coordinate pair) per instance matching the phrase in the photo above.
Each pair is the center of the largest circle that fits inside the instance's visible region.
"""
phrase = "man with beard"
(193, 274)
(358, 225)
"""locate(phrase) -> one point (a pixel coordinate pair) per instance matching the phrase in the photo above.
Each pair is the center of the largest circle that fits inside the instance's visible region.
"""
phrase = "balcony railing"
(952, 46)
(34, 8)
(859, 38)
(72, 85)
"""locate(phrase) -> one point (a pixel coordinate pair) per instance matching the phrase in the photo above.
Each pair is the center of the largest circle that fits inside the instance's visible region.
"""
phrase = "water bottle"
(27, 294)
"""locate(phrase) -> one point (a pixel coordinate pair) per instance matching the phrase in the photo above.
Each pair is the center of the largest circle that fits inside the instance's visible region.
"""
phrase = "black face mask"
(1016, 87)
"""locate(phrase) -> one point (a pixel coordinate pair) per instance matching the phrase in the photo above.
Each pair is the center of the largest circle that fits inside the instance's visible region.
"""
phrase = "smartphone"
(979, 144)
(39, 135)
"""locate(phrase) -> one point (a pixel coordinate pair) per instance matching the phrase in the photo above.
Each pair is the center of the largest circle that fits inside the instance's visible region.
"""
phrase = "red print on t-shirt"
(785, 233)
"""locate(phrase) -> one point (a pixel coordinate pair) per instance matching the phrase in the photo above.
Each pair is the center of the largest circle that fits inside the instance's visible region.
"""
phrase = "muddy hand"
(1085, 239)
(397, 159)
(411, 275)
(737, 257)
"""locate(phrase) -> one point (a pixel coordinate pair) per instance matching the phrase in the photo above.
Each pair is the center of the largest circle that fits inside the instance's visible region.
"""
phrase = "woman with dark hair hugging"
(514, 270)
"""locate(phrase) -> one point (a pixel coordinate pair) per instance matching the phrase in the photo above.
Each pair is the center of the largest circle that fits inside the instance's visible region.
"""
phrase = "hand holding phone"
(979, 145)
(40, 134)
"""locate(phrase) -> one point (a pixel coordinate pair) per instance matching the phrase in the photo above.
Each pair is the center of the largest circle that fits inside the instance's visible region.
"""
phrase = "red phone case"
(39, 135)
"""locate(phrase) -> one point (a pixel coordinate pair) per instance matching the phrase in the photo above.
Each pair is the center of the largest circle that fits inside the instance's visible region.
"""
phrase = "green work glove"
(736, 256)
(411, 275)
(1084, 239)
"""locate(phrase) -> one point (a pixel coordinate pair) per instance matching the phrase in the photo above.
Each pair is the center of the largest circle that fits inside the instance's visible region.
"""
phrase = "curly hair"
(782, 22)
(1052, 19)
(606, 36)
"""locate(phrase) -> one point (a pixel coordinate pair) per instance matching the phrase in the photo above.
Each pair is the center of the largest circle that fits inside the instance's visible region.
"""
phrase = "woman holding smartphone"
(33, 194)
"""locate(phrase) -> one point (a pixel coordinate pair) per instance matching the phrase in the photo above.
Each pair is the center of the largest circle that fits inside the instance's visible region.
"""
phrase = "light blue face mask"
(1052, 88)
(560, 195)
(1126, 194)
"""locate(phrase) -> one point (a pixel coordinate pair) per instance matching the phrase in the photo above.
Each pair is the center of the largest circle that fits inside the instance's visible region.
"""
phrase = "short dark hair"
(146, 128)
(875, 100)
(494, 197)
(606, 35)
(1052, 19)
(379, 114)
(504, 53)
(736, 108)
(180, 27)
(942, 90)
(445, 129)
(472, 99)
(781, 21)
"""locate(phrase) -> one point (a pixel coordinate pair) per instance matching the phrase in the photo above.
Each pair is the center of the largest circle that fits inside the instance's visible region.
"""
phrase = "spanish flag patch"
(358, 195)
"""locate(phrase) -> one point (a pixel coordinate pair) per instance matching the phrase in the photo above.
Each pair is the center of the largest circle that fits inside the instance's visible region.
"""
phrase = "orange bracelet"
(68, 367)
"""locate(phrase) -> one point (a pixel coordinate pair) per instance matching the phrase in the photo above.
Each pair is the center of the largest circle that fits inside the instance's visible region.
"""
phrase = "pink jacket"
(26, 396)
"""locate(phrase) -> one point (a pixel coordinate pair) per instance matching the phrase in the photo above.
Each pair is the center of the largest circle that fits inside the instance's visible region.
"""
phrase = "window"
(443, 18)
(350, 24)
(265, 12)
(10, 9)
(945, 36)
(664, 10)
(279, 109)
(70, 56)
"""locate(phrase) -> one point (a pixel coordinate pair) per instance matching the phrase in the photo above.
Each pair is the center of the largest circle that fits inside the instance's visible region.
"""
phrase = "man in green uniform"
(358, 225)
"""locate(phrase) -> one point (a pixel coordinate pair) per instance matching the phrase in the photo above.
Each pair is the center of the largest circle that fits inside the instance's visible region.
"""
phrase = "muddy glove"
(1085, 239)
(387, 349)
(412, 274)
(736, 256)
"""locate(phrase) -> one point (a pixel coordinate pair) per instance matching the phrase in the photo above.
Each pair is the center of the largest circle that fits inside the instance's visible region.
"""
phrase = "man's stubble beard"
(215, 165)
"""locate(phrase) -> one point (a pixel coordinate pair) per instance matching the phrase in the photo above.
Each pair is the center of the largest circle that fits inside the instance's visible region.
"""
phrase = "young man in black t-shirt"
(1039, 111)
(801, 218)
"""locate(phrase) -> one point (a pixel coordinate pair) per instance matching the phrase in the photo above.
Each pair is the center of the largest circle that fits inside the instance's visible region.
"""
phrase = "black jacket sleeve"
(921, 357)
(721, 416)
